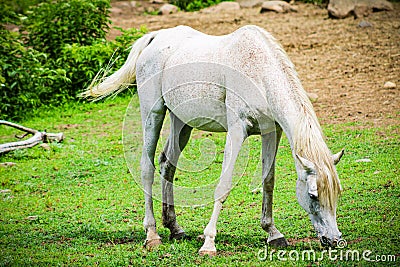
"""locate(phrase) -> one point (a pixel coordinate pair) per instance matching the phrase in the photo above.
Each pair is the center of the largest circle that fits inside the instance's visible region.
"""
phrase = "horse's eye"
(312, 196)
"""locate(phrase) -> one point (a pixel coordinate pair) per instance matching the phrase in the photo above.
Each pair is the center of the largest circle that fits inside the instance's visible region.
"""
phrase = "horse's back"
(203, 78)
(241, 49)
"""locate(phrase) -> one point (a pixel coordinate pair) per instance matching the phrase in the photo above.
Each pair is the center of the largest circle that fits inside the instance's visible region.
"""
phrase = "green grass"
(86, 208)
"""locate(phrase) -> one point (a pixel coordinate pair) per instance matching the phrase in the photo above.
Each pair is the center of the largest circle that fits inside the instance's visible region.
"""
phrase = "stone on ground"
(277, 6)
(340, 9)
(168, 9)
(222, 7)
(389, 85)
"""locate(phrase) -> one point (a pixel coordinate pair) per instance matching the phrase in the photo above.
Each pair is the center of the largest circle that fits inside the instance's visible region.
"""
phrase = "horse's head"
(317, 191)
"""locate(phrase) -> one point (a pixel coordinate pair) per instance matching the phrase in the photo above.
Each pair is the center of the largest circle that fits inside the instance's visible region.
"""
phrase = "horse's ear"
(336, 158)
(307, 165)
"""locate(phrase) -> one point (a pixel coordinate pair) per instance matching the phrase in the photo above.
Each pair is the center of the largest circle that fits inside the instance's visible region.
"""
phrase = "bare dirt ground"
(344, 64)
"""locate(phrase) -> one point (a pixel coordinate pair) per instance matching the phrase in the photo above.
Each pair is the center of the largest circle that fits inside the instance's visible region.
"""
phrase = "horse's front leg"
(168, 160)
(234, 141)
(270, 144)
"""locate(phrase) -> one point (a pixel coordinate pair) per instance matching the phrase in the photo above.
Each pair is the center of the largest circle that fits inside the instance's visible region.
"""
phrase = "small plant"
(82, 62)
(194, 5)
(129, 36)
(19, 6)
(27, 78)
(50, 26)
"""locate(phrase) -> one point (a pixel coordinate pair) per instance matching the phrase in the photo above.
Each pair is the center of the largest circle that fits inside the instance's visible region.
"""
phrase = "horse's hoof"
(152, 243)
(201, 238)
(178, 236)
(279, 242)
(210, 253)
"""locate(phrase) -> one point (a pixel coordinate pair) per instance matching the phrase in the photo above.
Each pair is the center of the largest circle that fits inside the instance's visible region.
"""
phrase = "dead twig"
(37, 138)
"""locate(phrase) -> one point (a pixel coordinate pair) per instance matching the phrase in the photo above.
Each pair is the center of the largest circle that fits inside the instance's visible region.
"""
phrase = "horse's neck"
(296, 116)
(288, 101)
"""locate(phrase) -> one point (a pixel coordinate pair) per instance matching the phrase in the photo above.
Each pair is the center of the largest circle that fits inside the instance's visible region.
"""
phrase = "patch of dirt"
(295, 241)
(68, 126)
(344, 64)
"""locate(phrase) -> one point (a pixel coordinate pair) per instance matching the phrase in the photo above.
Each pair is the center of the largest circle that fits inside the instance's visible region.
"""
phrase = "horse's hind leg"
(177, 140)
(270, 144)
(152, 120)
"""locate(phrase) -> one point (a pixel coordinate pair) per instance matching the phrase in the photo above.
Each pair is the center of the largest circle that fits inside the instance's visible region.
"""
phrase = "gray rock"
(250, 3)
(277, 6)
(363, 160)
(361, 8)
(7, 164)
(364, 24)
(115, 10)
(151, 9)
(124, 4)
(5, 191)
(389, 85)
(312, 96)
(168, 9)
(222, 7)
(45, 146)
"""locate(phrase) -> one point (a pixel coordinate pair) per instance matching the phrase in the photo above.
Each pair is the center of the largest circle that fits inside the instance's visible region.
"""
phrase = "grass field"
(76, 204)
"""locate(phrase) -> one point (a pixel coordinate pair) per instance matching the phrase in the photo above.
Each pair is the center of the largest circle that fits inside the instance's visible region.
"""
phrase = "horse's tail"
(122, 78)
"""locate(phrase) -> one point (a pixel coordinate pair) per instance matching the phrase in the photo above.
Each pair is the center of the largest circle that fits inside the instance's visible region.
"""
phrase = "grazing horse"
(242, 83)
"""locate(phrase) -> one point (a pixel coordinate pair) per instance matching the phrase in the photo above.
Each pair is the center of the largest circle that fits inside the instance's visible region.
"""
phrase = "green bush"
(19, 6)
(27, 79)
(82, 62)
(7, 14)
(128, 37)
(62, 48)
(50, 26)
(194, 5)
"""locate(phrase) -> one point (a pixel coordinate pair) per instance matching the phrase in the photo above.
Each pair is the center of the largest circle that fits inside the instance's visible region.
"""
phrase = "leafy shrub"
(7, 14)
(194, 5)
(50, 26)
(19, 6)
(60, 52)
(82, 62)
(128, 36)
(27, 79)
(30, 74)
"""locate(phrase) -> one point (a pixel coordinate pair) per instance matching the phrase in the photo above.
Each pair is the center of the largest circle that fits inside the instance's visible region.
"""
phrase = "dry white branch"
(37, 138)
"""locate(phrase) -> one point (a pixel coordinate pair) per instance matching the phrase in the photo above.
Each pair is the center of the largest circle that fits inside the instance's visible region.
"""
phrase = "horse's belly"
(201, 106)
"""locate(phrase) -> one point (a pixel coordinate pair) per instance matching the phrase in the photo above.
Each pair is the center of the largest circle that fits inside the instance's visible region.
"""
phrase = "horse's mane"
(308, 138)
(309, 143)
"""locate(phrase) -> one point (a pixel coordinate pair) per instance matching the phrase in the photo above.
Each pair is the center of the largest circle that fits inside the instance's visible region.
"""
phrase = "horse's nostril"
(312, 196)
(324, 241)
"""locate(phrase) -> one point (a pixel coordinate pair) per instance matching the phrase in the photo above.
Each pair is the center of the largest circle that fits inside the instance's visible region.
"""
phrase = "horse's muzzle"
(330, 242)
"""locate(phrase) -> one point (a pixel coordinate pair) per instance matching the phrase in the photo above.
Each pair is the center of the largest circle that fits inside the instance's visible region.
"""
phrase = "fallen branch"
(37, 138)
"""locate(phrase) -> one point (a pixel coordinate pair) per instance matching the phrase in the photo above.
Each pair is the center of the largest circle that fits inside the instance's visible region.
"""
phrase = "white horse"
(242, 83)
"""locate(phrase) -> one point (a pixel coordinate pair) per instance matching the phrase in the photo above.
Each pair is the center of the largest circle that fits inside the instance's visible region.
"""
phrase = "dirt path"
(345, 65)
